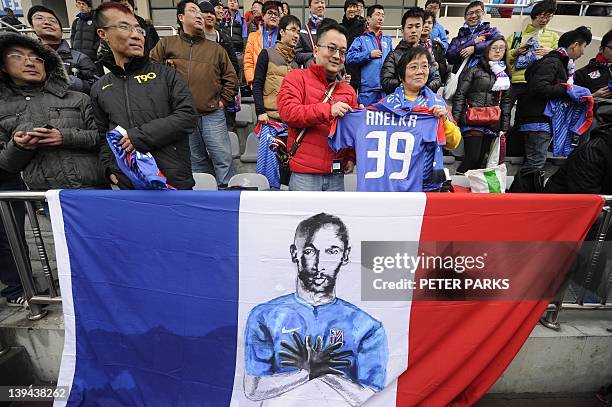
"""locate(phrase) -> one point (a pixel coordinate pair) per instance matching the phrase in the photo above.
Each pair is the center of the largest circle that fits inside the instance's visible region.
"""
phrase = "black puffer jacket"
(589, 167)
(594, 76)
(355, 28)
(154, 105)
(389, 77)
(233, 29)
(73, 165)
(83, 36)
(474, 90)
(82, 72)
(544, 78)
(440, 57)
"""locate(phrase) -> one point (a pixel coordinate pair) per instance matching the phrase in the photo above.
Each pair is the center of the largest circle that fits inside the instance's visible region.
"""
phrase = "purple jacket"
(466, 39)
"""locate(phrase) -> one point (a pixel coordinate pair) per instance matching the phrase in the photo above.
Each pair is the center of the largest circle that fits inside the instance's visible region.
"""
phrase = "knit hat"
(36, 9)
(206, 7)
(348, 3)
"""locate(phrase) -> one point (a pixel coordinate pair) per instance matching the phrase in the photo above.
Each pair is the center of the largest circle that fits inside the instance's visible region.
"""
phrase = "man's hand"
(480, 38)
(603, 93)
(113, 178)
(347, 78)
(325, 361)
(542, 51)
(126, 144)
(439, 111)
(376, 53)
(521, 50)
(467, 51)
(262, 118)
(339, 109)
(47, 137)
(349, 167)
(221, 105)
(25, 141)
(296, 356)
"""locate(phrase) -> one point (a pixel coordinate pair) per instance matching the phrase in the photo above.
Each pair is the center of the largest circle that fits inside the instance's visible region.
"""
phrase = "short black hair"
(41, 9)
(580, 34)
(543, 7)
(372, 9)
(7, 9)
(329, 24)
(100, 15)
(362, 2)
(180, 9)
(258, 2)
(429, 14)
(606, 38)
(288, 19)
(428, 2)
(475, 3)
(409, 56)
(309, 226)
(412, 12)
(270, 5)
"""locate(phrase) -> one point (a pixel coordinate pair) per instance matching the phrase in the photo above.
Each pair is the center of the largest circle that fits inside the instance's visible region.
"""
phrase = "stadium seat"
(249, 179)
(350, 182)
(245, 116)
(250, 151)
(204, 182)
(235, 144)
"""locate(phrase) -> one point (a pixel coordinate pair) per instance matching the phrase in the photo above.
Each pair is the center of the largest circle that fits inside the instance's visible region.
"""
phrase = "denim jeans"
(8, 269)
(211, 139)
(536, 147)
(316, 182)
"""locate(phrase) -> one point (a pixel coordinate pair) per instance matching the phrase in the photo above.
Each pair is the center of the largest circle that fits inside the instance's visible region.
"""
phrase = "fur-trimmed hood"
(57, 79)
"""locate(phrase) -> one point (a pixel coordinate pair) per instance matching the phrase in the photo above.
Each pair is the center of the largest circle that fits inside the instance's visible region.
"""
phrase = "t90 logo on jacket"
(146, 77)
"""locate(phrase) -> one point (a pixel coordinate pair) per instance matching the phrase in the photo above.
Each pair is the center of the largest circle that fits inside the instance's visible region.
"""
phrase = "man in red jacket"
(315, 167)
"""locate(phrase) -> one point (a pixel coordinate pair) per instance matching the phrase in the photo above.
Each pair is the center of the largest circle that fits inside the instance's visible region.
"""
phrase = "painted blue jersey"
(391, 149)
(339, 321)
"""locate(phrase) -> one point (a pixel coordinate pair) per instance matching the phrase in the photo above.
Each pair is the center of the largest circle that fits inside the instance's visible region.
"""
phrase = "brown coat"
(204, 65)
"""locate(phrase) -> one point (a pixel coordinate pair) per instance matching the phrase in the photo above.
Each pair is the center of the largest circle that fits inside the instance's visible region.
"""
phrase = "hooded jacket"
(474, 90)
(82, 72)
(75, 163)
(200, 61)
(465, 38)
(83, 36)
(154, 105)
(300, 105)
(546, 39)
(389, 76)
(236, 29)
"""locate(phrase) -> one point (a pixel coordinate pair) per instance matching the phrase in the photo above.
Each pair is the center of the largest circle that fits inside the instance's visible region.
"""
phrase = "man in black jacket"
(150, 101)
(597, 75)
(544, 83)
(82, 72)
(355, 26)
(412, 26)
(83, 36)
(308, 34)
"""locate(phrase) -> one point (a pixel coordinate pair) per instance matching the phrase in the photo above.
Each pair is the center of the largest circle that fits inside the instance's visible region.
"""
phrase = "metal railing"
(36, 299)
(584, 6)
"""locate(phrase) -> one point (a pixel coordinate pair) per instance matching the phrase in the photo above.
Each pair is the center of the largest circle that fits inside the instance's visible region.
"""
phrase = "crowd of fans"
(176, 97)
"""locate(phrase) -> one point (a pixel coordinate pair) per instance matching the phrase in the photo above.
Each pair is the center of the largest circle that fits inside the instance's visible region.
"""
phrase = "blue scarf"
(268, 38)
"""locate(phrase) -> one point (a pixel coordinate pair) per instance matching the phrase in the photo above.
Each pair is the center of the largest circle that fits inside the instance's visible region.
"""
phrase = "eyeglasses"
(475, 13)
(545, 17)
(608, 46)
(193, 11)
(23, 58)
(41, 19)
(415, 68)
(500, 48)
(126, 28)
(333, 49)
(272, 13)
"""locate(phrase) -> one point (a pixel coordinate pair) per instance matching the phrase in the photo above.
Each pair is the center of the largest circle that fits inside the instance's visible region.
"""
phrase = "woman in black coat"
(486, 84)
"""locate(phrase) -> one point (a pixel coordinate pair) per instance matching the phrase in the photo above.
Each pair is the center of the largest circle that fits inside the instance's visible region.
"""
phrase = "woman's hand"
(439, 111)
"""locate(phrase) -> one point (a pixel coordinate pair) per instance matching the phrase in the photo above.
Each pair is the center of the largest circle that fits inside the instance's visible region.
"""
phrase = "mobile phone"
(48, 126)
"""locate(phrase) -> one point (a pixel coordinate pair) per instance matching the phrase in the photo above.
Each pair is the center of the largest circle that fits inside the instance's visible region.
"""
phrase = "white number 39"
(380, 155)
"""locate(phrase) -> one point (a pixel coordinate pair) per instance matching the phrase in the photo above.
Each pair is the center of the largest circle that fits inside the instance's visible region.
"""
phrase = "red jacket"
(300, 105)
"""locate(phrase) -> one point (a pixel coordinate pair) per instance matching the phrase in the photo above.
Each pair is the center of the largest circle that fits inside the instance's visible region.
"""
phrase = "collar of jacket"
(350, 23)
(480, 27)
(134, 65)
(531, 28)
(64, 50)
(320, 73)
(287, 52)
(556, 54)
(193, 39)
(85, 16)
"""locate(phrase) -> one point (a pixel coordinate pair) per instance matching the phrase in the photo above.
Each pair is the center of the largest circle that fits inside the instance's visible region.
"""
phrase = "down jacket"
(465, 38)
(474, 90)
(300, 105)
(75, 164)
(154, 105)
(82, 72)
(389, 76)
(83, 36)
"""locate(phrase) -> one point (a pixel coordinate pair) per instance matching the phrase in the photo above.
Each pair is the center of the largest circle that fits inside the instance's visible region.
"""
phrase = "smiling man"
(304, 52)
(150, 101)
(209, 73)
(312, 335)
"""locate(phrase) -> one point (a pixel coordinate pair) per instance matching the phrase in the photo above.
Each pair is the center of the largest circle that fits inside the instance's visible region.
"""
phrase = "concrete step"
(16, 368)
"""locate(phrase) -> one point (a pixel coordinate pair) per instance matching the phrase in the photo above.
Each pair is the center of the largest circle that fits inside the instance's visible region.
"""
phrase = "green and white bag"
(488, 180)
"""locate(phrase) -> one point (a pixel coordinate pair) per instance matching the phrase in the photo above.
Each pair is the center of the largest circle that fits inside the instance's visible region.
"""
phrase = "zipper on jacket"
(127, 99)
(189, 63)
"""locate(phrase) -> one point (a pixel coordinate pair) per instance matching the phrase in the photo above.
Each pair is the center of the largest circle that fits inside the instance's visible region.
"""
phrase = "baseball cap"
(206, 7)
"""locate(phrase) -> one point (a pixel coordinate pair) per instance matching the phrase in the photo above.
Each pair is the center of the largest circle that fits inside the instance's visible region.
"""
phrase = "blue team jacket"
(359, 55)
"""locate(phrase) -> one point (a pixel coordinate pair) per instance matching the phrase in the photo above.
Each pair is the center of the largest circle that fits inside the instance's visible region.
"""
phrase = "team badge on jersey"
(594, 74)
(336, 335)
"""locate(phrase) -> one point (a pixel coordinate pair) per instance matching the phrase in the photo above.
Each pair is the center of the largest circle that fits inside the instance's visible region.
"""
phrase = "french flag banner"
(195, 298)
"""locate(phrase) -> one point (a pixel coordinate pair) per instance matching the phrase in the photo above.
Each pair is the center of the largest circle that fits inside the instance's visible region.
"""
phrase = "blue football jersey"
(339, 321)
(390, 148)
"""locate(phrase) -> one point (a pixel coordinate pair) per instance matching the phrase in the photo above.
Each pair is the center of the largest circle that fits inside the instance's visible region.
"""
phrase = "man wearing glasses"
(149, 101)
(263, 38)
(472, 39)
(311, 99)
(210, 76)
(82, 72)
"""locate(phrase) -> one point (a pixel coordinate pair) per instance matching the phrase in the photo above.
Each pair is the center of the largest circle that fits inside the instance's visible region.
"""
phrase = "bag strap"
(300, 136)
(463, 64)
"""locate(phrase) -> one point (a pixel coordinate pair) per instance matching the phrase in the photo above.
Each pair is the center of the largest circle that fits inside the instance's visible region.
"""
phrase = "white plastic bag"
(493, 159)
(488, 180)
(451, 85)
